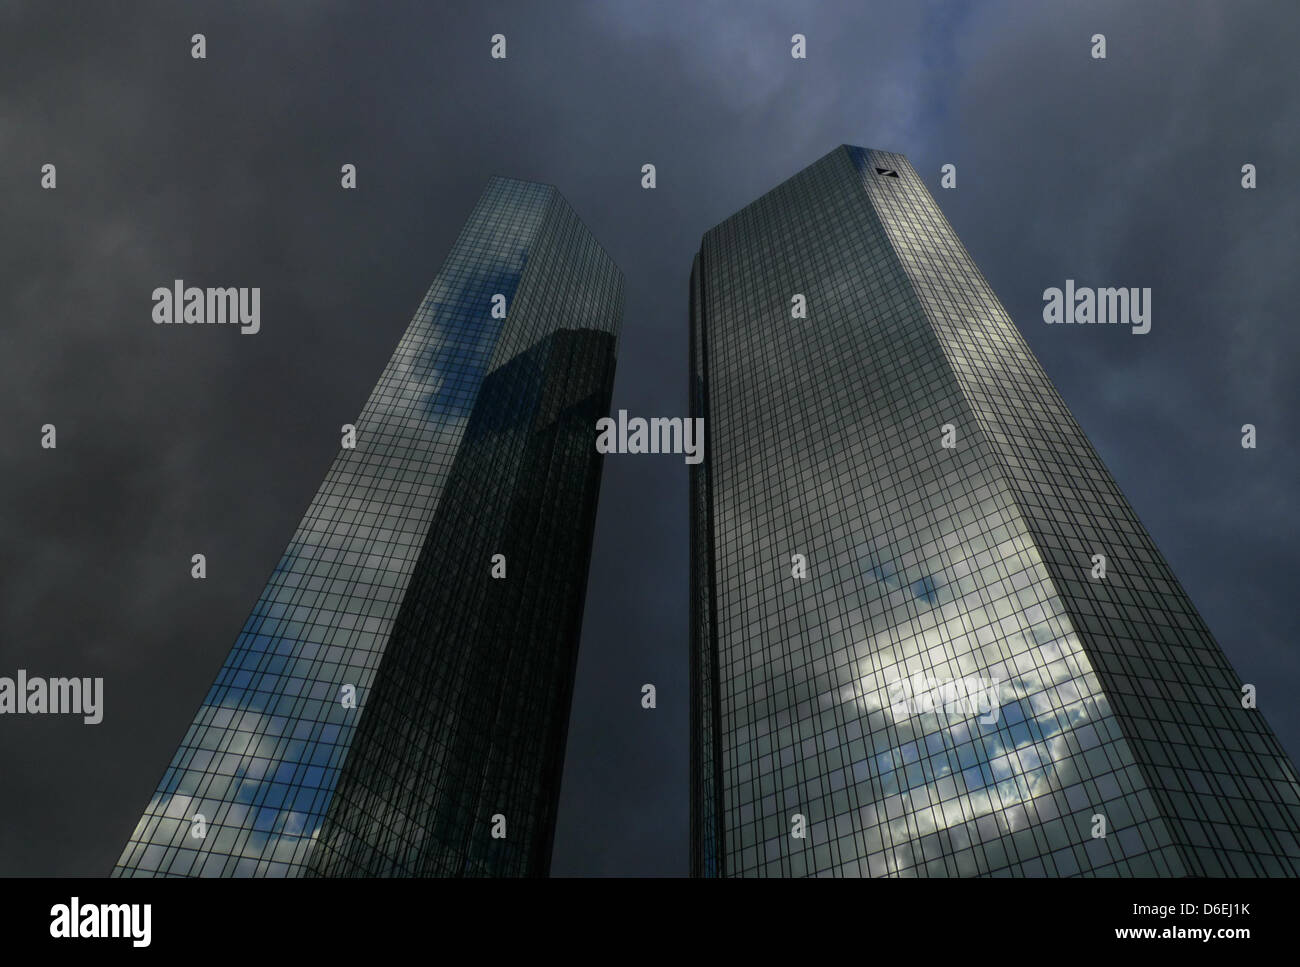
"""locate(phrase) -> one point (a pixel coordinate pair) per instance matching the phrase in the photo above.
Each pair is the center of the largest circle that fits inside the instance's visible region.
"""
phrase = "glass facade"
(476, 441)
(897, 510)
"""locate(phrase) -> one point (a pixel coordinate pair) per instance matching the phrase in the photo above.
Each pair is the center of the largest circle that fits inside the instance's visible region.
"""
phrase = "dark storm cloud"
(174, 440)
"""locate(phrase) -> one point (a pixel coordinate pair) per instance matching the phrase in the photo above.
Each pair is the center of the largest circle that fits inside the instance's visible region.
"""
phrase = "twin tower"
(904, 661)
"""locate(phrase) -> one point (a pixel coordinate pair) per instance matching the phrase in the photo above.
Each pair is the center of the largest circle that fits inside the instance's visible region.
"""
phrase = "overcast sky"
(225, 171)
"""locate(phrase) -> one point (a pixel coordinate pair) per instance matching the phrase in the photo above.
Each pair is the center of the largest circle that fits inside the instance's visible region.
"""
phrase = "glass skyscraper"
(906, 656)
(439, 574)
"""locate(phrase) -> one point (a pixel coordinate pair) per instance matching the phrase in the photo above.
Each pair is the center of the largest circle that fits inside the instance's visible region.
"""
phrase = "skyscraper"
(929, 635)
(438, 575)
